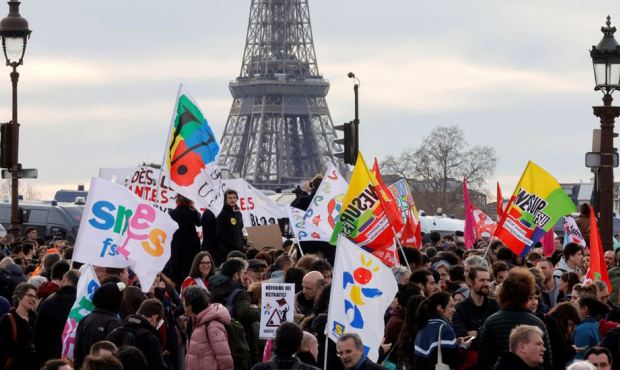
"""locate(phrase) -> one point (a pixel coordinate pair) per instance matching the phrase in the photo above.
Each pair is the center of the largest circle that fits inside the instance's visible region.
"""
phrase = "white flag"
(572, 234)
(118, 229)
(326, 203)
(302, 228)
(362, 289)
(82, 307)
(191, 151)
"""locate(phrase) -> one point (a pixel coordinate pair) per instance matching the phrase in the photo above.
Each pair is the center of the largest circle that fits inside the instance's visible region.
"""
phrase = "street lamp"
(606, 61)
(15, 33)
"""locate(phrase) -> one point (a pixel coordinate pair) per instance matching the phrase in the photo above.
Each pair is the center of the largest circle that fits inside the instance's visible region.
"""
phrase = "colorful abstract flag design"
(365, 288)
(191, 153)
(404, 198)
(536, 205)
(362, 218)
(597, 269)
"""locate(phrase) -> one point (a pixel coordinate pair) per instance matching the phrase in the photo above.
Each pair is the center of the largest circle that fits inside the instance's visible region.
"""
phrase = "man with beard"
(472, 312)
(550, 289)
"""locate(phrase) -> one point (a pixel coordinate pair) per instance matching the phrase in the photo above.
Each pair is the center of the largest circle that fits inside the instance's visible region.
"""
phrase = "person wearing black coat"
(209, 232)
(510, 361)
(139, 330)
(53, 313)
(185, 242)
(229, 227)
(101, 322)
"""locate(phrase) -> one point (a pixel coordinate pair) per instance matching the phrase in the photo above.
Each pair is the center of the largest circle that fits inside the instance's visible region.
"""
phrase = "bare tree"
(443, 159)
(26, 189)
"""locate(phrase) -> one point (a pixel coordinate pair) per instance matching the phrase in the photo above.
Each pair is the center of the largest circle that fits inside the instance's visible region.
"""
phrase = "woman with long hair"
(200, 272)
(407, 335)
(434, 316)
(561, 322)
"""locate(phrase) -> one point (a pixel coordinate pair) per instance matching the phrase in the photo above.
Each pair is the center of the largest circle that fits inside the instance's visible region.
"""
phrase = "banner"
(191, 155)
(386, 198)
(411, 236)
(256, 208)
(499, 204)
(81, 308)
(536, 205)
(118, 229)
(278, 306)
(363, 288)
(362, 217)
(572, 234)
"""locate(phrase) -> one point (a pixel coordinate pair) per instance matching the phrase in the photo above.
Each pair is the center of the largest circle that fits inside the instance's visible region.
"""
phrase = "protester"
(513, 297)
(287, 343)
(53, 313)
(351, 353)
(434, 317)
(312, 284)
(309, 350)
(572, 257)
(208, 346)
(526, 349)
(140, 330)
(424, 279)
(202, 269)
(229, 227)
(131, 358)
(474, 310)
(599, 357)
(17, 330)
(104, 318)
(587, 332)
(209, 232)
(57, 272)
(560, 323)
(567, 281)
(57, 365)
(103, 347)
(185, 242)
(105, 362)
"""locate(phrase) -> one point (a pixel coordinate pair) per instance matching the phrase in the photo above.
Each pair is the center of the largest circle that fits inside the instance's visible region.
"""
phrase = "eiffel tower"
(279, 131)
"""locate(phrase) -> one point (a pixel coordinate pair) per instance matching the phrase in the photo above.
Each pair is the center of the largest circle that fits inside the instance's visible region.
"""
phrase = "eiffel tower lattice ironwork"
(279, 131)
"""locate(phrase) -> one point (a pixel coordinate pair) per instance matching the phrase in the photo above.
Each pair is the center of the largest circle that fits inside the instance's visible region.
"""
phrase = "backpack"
(237, 341)
(126, 336)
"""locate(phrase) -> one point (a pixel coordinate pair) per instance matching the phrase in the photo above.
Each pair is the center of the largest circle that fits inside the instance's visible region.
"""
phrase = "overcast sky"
(100, 77)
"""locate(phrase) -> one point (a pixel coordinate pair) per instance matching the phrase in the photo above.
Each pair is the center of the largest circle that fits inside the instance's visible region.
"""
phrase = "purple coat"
(208, 346)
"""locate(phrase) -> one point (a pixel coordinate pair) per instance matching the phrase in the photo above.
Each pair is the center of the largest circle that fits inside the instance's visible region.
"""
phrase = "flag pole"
(325, 354)
(163, 160)
(400, 246)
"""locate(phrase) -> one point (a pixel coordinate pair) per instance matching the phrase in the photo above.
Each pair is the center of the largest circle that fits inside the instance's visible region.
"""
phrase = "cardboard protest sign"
(265, 236)
(118, 229)
(277, 307)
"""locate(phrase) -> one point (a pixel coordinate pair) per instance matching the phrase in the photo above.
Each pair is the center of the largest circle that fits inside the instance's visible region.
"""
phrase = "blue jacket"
(426, 342)
(586, 335)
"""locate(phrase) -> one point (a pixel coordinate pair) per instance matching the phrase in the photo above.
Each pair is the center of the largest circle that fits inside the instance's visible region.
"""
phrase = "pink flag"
(470, 222)
(547, 243)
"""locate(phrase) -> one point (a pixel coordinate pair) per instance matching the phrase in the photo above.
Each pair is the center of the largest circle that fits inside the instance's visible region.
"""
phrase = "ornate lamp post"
(606, 61)
(15, 33)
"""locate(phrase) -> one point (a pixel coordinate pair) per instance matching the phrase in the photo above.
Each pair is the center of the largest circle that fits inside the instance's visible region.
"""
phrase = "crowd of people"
(456, 308)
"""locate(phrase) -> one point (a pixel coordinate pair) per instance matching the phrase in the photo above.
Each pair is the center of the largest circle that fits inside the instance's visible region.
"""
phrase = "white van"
(442, 224)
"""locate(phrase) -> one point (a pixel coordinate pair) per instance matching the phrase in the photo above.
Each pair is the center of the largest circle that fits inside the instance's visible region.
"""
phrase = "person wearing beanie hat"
(104, 319)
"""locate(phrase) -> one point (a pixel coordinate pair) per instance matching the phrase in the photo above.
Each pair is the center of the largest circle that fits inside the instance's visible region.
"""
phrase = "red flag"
(548, 244)
(597, 269)
(412, 232)
(500, 203)
(387, 200)
(470, 222)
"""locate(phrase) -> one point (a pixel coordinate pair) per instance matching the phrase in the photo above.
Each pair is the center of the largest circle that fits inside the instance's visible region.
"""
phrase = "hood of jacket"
(14, 270)
(216, 312)
(138, 321)
(221, 286)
